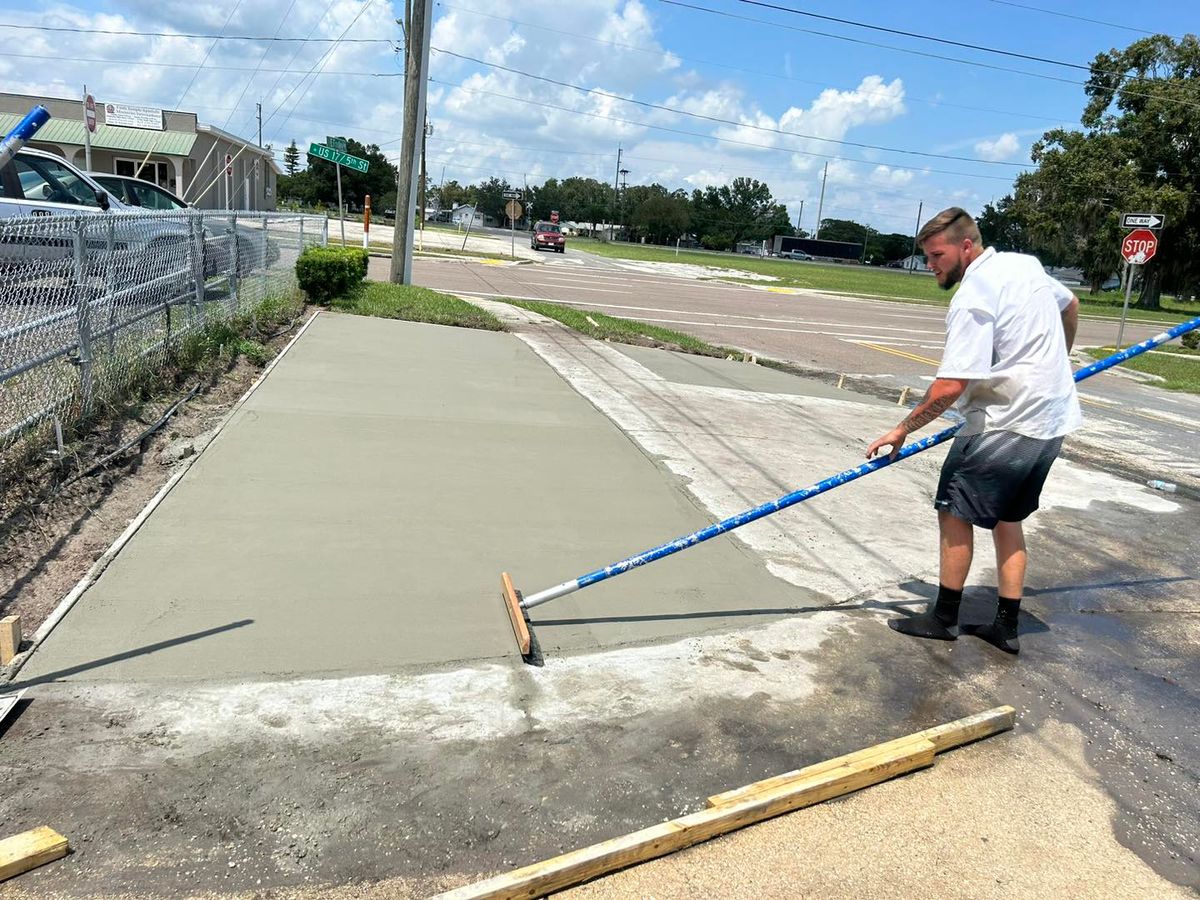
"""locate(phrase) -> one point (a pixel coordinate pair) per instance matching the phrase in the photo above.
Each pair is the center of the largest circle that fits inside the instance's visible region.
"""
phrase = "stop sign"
(89, 113)
(1139, 246)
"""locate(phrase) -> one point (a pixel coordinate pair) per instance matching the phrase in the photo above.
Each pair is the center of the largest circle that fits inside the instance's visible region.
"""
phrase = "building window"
(159, 173)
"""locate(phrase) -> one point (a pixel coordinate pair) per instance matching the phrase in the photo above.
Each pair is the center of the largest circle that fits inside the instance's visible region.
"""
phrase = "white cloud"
(1004, 147)
(477, 133)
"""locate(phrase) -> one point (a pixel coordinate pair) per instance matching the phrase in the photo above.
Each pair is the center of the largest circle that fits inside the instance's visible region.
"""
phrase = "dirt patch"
(53, 529)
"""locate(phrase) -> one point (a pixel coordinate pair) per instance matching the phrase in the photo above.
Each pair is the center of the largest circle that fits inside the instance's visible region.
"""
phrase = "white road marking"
(692, 312)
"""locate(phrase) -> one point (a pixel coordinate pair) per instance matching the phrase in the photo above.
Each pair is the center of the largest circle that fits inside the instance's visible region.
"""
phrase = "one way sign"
(1142, 220)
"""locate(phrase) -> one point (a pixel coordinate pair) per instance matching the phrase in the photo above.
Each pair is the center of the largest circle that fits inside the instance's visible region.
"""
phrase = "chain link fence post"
(262, 261)
(196, 255)
(110, 244)
(233, 266)
(82, 316)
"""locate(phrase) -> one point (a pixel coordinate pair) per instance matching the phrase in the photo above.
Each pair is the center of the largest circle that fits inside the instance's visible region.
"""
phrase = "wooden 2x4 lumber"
(10, 638)
(659, 840)
(943, 737)
(30, 849)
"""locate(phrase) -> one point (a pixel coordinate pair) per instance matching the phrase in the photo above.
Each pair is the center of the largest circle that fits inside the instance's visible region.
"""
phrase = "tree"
(318, 183)
(1138, 152)
(661, 217)
(741, 210)
(451, 194)
(586, 200)
(843, 230)
(1003, 226)
(291, 158)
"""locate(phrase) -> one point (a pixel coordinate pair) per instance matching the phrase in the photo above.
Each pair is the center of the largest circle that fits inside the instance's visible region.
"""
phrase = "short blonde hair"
(955, 222)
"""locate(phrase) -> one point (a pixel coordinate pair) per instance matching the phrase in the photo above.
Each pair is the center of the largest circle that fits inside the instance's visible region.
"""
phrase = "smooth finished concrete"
(355, 514)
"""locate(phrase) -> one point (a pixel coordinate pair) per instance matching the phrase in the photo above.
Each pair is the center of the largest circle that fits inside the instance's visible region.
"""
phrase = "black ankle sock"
(945, 609)
(1007, 610)
(1002, 633)
(938, 623)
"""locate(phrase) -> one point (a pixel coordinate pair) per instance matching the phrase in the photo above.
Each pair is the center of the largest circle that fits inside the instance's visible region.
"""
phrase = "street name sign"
(1139, 246)
(1142, 220)
(337, 143)
(336, 156)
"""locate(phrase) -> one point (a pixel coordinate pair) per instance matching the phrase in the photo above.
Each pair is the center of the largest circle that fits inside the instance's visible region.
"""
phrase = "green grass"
(623, 331)
(1178, 366)
(452, 251)
(869, 281)
(414, 304)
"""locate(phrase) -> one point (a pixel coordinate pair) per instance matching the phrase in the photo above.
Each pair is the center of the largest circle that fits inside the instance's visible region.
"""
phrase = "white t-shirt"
(1004, 334)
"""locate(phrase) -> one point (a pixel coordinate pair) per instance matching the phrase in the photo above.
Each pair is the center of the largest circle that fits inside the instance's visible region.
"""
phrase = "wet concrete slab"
(355, 514)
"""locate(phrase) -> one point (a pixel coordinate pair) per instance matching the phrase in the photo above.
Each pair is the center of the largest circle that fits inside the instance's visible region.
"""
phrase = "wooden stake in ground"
(739, 808)
(10, 638)
(31, 849)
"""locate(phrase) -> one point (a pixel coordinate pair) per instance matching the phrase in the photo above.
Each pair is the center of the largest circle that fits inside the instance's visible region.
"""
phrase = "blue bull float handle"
(25, 130)
(758, 512)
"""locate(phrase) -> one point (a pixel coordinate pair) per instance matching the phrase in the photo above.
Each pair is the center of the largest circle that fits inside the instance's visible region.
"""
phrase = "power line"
(165, 65)
(957, 59)
(866, 43)
(731, 122)
(791, 150)
(206, 37)
(1054, 12)
(757, 72)
(917, 36)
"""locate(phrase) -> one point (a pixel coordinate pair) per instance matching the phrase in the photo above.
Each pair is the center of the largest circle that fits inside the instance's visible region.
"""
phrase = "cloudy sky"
(723, 88)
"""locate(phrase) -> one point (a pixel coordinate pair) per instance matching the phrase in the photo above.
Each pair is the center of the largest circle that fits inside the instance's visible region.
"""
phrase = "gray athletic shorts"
(995, 477)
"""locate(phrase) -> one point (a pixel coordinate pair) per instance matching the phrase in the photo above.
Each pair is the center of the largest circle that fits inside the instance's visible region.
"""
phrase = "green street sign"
(337, 143)
(336, 156)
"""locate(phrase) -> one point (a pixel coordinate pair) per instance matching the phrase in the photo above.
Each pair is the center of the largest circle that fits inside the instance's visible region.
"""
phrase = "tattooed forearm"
(926, 412)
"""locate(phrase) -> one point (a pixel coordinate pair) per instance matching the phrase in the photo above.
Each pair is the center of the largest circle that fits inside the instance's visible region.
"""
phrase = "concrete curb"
(115, 548)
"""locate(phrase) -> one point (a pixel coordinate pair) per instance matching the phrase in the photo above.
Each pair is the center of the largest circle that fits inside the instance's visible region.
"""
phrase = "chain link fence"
(91, 303)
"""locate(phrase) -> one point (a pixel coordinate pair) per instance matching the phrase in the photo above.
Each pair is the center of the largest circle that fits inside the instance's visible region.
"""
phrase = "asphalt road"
(897, 344)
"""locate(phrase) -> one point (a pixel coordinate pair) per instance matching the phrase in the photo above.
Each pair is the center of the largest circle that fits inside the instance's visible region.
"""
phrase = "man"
(1008, 333)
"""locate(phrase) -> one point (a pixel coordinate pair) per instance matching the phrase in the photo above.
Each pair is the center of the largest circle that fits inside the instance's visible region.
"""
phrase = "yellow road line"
(892, 350)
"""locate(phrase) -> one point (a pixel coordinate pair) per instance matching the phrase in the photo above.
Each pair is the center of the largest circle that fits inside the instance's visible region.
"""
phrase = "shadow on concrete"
(1106, 585)
(128, 654)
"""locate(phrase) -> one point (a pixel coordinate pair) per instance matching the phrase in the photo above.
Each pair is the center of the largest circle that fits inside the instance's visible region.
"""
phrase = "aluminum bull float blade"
(518, 605)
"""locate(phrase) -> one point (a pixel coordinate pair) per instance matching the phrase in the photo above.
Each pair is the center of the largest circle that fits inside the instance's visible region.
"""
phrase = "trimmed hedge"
(328, 272)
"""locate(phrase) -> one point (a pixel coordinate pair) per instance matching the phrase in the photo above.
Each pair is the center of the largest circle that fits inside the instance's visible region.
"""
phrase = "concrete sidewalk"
(297, 678)
(355, 514)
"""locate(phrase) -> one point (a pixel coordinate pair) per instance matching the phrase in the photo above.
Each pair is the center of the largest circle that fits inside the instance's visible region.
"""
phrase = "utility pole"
(800, 217)
(418, 21)
(425, 132)
(616, 178)
(259, 105)
(821, 205)
(912, 267)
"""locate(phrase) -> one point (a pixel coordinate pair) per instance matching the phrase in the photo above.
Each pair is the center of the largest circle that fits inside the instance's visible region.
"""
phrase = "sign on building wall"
(126, 116)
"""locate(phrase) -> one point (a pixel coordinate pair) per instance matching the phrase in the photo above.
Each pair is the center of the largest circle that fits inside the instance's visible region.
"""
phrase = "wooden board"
(10, 638)
(515, 615)
(943, 737)
(580, 865)
(31, 849)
